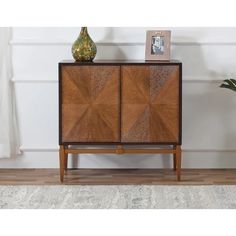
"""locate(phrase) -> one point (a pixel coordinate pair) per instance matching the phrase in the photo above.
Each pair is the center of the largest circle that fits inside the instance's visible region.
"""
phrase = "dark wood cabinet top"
(120, 62)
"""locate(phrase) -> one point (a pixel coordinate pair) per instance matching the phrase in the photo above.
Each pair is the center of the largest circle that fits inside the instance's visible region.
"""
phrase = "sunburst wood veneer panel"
(150, 103)
(90, 103)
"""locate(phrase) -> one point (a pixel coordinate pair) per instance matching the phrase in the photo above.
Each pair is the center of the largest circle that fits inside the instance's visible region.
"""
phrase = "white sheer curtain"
(9, 139)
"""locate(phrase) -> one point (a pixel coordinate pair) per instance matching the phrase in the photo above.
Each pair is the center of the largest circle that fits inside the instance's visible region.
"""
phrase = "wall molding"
(29, 80)
(187, 79)
(67, 43)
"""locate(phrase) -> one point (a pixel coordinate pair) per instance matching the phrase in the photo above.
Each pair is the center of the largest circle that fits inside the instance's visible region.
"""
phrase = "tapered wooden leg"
(66, 160)
(178, 162)
(174, 159)
(62, 162)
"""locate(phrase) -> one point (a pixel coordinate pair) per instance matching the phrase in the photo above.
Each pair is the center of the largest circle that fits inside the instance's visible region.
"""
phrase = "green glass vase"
(84, 49)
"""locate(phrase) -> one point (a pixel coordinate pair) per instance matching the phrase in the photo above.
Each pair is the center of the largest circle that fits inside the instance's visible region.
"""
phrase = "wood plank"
(117, 176)
(119, 151)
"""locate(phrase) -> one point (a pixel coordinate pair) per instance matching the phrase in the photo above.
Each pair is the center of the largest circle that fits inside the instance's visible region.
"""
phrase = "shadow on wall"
(208, 120)
(131, 161)
(105, 44)
(191, 55)
(207, 109)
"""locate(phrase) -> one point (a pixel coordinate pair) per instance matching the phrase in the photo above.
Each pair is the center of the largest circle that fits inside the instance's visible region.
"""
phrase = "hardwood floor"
(117, 176)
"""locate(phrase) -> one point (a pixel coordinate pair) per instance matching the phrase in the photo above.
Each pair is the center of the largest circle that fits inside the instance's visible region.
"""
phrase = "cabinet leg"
(66, 160)
(62, 162)
(178, 162)
(174, 159)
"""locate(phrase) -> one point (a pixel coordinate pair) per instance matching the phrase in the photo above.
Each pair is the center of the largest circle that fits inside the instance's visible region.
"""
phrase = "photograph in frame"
(158, 45)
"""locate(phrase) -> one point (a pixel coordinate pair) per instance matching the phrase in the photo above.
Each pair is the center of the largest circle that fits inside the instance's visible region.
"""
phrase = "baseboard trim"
(39, 149)
(55, 149)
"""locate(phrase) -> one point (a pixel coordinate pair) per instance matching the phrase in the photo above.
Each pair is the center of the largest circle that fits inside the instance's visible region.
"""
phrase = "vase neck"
(84, 30)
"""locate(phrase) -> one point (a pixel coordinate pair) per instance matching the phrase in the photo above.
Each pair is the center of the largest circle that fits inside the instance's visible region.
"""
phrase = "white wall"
(209, 113)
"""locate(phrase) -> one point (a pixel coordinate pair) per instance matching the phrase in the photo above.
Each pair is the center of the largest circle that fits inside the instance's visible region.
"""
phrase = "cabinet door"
(90, 100)
(150, 104)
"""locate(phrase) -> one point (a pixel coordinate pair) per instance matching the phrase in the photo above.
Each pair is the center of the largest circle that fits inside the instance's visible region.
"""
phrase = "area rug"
(118, 197)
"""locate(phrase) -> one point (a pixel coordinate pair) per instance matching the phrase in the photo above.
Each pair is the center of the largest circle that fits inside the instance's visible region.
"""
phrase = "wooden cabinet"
(118, 104)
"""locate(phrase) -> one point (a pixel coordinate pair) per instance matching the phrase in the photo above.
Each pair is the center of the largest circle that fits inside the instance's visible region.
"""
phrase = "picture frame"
(158, 45)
